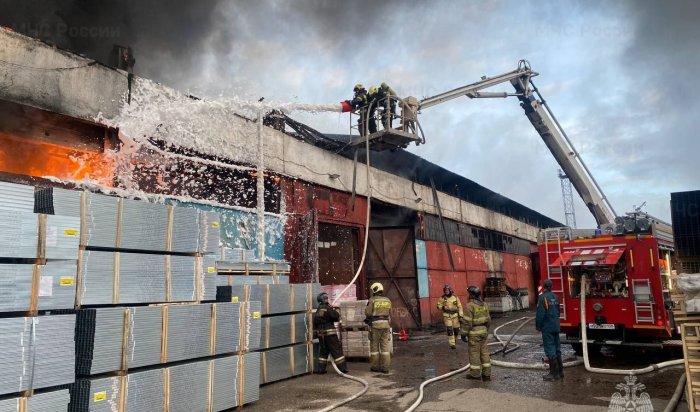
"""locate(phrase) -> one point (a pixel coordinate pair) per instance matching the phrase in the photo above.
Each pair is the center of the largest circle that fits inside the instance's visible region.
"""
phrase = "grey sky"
(618, 75)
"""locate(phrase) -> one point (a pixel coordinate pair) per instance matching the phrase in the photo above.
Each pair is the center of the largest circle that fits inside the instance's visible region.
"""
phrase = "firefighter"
(547, 322)
(451, 309)
(359, 102)
(377, 317)
(475, 328)
(384, 100)
(328, 342)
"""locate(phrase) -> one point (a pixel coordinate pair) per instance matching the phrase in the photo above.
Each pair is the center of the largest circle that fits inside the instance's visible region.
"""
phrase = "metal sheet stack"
(38, 269)
(224, 383)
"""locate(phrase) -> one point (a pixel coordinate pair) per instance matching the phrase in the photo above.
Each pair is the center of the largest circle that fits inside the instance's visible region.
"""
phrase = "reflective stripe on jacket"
(450, 306)
(378, 310)
(477, 318)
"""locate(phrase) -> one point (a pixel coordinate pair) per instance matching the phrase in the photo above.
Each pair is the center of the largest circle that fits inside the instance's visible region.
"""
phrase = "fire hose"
(364, 383)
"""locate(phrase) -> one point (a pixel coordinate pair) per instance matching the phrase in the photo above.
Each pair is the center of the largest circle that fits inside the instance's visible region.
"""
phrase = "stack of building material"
(352, 314)
(499, 304)
(38, 268)
(355, 343)
(334, 293)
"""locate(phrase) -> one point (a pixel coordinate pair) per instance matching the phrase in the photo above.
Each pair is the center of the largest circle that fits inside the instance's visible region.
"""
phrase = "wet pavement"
(427, 355)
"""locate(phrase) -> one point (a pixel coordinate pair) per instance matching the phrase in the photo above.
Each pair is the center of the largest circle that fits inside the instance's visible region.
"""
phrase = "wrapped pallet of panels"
(61, 237)
(250, 387)
(188, 386)
(355, 343)
(352, 313)
(58, 201)
(19, 234)
(185, 230)
(145, 391)
(141, 278)
(225, 375)
(235, 280)
(99, 340)
(57, 282)
(145, 336)
(16, 287)
(209, 232)
(100, 219)
(207, 277)
(15, 355)
(187, 332)
(183, 278)
(283, 330)
(282, 363)
(96, 395)
(16, 197)
(252, 321)
(10, 405)
(53, 351)
(49, 401)
(143, 225)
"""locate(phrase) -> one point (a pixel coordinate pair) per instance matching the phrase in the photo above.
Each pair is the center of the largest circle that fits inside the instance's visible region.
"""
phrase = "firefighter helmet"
(474, 291)
(372, 90)
(384, 86)
(377, 287)
(358, 86)
(447, 290)
(547, 284)
(322, 297)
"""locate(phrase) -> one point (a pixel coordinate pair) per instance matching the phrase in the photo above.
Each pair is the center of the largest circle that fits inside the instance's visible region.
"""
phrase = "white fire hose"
(589, 368)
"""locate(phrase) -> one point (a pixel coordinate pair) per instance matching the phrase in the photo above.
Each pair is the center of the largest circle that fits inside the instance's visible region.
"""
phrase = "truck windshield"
(602, 281)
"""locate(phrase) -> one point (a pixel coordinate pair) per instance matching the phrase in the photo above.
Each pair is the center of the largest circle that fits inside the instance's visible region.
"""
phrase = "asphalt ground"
(427, 355)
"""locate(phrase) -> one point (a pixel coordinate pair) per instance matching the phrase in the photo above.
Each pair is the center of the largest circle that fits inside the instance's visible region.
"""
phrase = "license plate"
(609, 326)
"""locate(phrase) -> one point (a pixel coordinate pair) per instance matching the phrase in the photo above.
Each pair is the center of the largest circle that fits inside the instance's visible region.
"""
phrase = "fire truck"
(626, 261)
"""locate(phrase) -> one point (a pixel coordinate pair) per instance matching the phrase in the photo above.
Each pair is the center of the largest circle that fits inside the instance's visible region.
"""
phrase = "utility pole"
(568, 196)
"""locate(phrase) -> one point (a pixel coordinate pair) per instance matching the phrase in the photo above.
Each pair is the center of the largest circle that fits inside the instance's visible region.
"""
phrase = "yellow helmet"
(377, 287)
(358, 86)
(372, 90)
(384, 86)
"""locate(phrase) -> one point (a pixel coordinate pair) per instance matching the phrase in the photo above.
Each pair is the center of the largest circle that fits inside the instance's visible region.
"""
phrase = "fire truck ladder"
(555, 272)
(643, 301)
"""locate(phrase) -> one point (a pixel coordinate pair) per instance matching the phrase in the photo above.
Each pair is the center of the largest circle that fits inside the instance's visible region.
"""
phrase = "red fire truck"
(627, 286)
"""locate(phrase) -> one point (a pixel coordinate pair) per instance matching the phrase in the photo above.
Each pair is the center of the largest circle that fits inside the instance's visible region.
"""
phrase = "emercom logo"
(629, 398)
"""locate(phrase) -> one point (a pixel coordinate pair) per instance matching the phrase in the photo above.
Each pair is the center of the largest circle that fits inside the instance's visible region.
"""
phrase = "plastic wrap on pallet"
(100, 218)
(57, 201)
(54, 351)
(208, 277)
(352, 313)
(301, 301)
(62, 237)
(277, 364)
(209, 232)
(253, 324)
(301, 328)
(223, 280)
(57, 285)
(97, 277)
(279, 298)
(144, 225)
(189, 387)
(99, 340)
(188, 332)
(237, 254)
(355, 343)
(183, 278)
(16, 197)
(19, 234)
(302, 359)
(9, 405)
(141, 278)
(15, 287)
(225, 376)
(49, 401)
(97, 395)
(15, 356)
(144, 391)
(251, 377)
(144, 336)
(185, 230)
(228, 328)
(277, 331)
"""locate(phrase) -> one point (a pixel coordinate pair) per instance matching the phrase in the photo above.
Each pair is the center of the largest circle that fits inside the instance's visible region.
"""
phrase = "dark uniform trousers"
(329, 347)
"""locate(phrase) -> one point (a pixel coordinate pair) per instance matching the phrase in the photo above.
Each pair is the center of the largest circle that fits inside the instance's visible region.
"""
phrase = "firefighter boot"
(321, 367)
(560, 364)
(374, 362)
(553, 374)
(342, 366)
(386, 362)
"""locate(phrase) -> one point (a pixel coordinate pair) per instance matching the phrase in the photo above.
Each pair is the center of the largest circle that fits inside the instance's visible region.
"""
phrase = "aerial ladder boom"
(549, 129)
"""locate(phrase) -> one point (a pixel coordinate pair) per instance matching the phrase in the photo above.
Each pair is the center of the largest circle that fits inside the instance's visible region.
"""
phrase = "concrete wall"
(87, 91)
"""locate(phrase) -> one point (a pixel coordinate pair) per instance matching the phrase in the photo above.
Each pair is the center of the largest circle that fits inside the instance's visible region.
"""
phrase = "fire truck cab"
(627, 268)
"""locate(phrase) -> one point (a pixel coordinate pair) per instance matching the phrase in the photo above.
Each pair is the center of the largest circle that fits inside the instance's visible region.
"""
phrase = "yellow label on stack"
(234, 299)
(99, 396)
(70, 232)
(215, 224)
(211, 269)
(66, 281)
(256, 315)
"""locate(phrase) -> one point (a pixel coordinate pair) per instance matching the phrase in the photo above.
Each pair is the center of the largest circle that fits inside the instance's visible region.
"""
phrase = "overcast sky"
(618, 75)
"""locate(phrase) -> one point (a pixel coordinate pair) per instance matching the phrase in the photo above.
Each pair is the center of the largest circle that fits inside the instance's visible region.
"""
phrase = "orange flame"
(37, 158)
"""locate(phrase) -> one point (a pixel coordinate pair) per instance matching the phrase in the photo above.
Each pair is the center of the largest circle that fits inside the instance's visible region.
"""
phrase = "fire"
(41, 159)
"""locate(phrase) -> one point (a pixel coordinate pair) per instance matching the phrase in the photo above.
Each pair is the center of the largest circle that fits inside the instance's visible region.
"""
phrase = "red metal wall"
(332, 206)
(472, 267)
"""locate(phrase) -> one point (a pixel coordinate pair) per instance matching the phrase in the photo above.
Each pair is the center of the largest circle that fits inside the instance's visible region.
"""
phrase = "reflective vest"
(450, 306)
(477, 318)
(377, 311)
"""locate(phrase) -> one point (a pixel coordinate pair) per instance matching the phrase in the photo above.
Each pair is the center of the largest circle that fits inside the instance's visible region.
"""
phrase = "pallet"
(690, 333)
